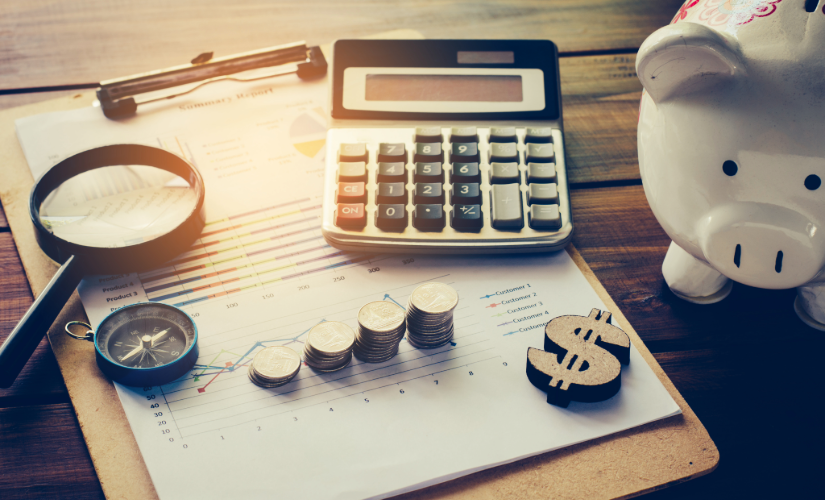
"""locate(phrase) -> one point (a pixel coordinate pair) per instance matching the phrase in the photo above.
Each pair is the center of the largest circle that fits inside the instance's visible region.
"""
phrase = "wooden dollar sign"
(583, 359)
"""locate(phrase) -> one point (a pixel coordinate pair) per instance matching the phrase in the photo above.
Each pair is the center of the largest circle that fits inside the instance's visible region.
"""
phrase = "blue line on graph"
(487, 296)
(260, 343)
(387, 296)
(510, 333)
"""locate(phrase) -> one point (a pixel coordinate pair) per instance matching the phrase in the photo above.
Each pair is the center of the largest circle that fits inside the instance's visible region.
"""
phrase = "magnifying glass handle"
(18, 348)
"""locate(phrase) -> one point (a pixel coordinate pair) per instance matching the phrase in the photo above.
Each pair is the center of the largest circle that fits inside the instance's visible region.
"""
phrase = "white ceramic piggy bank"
(732, 147)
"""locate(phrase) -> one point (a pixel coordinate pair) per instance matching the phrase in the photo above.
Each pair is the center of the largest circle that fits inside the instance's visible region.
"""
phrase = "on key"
(466, 194)
(392, 172)
(391, 217)
(351, 216)
(464, 152)
(392, 152)
(391, 193)
(429, 217)
(351, 192)
(353, 152)
(465, 172)
(429, 193)
(429, 172)
(428, 152)
(428, 134)
(467, 217)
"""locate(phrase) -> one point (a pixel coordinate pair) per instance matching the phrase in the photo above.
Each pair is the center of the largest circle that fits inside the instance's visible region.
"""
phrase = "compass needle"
(131, 353)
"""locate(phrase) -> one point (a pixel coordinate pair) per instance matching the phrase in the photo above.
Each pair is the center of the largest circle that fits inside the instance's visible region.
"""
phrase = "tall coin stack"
(430, 315)
(381, 326)
(274, 366)
(329, 346)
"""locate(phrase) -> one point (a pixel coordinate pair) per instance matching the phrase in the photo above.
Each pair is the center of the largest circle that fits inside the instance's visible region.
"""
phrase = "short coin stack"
(381, 326)
(274, 366)
(329, 346)
(430, 315)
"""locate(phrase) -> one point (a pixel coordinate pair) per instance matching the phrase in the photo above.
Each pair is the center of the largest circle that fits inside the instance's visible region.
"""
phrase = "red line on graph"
(203, 389)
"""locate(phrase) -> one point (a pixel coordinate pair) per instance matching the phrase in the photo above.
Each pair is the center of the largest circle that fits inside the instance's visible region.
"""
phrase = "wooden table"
(731, 361)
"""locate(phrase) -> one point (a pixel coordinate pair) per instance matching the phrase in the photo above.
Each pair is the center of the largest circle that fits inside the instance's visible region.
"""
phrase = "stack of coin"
(381, 326)
(329, 346)
(274, 366)
(430, 315)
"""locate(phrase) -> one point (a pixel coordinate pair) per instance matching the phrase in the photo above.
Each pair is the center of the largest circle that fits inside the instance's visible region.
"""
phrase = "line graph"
(217, 394)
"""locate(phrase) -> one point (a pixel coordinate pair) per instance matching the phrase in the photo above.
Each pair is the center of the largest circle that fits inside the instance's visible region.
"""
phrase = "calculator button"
(350, 215)
(464, 134)
(467, 217)
(392, 172)
(541, 173)
(429, 172)
(465, 172)
(391, 217)
(503, 134)
(351, 192)
(429, 217)
(352, 171)
(540, 153)
(391, 193)
(428, 134)
(504, 173)
(539, 135)
(506, 206)
(392, 152)
(464, 152)
(544, 217)
(429, 192)
(466, 194)
(504, 152)
(353, 152)
(542, 194)
(425, 152)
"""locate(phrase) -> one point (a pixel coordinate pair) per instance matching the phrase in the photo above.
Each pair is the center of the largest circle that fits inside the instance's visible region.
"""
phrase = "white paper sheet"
(263, 275)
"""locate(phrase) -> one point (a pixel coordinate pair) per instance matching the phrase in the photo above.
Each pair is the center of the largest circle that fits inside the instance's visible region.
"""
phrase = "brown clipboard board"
(622, 465)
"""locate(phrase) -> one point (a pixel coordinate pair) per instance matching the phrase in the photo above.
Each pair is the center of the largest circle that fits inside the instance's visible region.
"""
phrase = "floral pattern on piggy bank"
(732, 147)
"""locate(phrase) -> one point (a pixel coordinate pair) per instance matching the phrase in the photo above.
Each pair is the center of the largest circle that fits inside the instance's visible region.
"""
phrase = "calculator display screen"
(450, 88)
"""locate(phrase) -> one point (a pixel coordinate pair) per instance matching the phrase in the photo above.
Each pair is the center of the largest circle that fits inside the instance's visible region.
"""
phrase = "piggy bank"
(732, 147)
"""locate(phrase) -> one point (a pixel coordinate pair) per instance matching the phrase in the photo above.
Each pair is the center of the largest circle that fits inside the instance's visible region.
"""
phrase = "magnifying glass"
(110, 210)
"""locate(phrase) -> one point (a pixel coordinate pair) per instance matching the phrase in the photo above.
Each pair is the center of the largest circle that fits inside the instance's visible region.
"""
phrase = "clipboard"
(622, 465)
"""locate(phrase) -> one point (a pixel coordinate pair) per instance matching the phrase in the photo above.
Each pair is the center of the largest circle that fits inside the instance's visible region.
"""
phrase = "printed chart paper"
(261, 274)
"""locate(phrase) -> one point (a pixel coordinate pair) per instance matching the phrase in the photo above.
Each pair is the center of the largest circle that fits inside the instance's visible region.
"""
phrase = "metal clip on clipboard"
(118, 97)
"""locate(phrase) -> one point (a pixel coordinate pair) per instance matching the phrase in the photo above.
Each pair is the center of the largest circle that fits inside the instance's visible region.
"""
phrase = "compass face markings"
(145, 338)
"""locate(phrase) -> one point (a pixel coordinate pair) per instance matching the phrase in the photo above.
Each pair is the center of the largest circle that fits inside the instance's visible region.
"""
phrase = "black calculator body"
(446, 146)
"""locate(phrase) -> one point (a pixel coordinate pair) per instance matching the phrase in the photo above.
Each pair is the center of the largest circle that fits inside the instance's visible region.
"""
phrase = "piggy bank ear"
(684, 58)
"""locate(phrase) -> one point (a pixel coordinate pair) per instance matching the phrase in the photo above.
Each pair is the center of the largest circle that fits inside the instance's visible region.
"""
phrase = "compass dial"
(146, 336)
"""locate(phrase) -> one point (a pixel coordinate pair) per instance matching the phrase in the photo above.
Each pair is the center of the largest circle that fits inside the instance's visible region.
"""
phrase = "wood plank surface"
(53, 42)
(600, 101)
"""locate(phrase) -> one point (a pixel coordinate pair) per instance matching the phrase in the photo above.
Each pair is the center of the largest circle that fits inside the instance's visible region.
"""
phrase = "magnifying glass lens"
(118, 206)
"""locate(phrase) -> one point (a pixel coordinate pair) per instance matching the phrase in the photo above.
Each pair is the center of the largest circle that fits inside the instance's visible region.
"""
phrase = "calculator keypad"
(498, 184)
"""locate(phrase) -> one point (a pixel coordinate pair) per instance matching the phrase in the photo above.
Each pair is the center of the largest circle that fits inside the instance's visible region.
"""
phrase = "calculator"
(446, 146)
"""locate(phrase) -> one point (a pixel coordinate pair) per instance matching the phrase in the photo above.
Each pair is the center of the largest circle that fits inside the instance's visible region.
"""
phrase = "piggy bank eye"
(813, 182)
(730, 168)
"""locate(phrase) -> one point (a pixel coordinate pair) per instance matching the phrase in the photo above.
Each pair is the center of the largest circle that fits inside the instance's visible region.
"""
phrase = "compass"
(144, 344)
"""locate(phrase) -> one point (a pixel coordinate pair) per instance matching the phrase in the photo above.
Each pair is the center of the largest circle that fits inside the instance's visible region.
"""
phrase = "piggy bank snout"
(762, 245)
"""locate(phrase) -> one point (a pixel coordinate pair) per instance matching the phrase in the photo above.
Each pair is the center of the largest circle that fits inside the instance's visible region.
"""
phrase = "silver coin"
(381, 317)
(267, 384)
(331, 338)
(276, 363)
(332, 368)
(434, 298)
